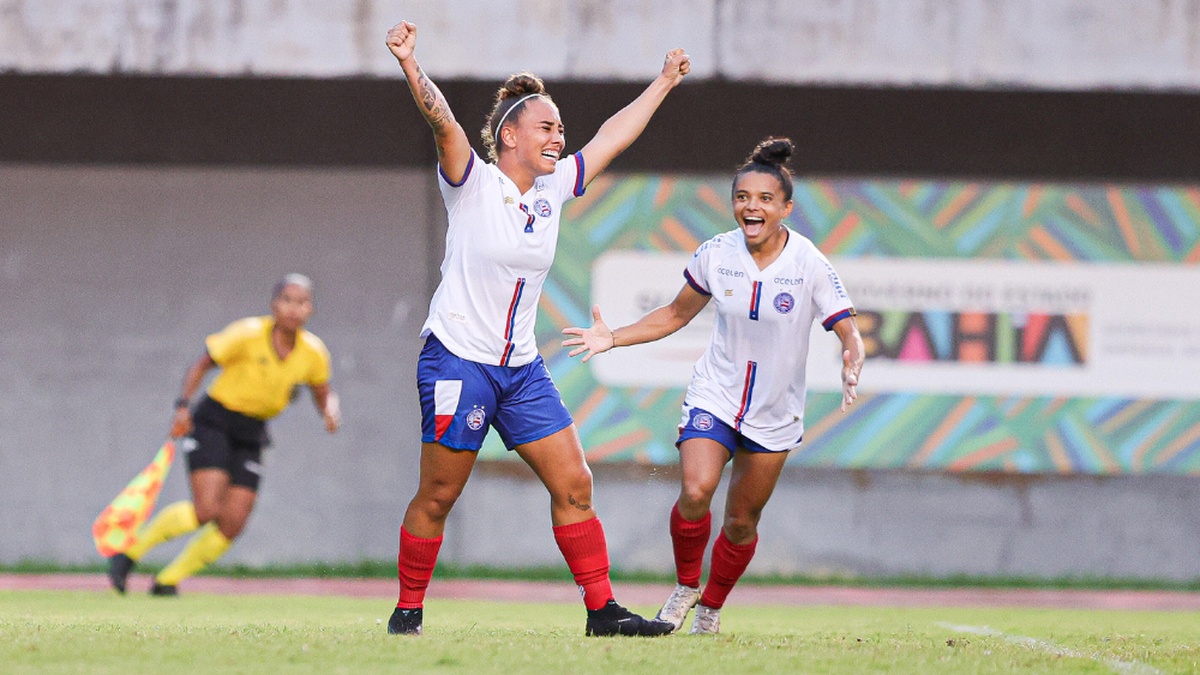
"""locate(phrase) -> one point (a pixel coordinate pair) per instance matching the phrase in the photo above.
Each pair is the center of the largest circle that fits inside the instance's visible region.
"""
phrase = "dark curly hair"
(508, 106)
(769, 157)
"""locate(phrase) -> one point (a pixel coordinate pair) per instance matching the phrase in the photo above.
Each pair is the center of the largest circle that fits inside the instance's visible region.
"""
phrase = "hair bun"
(521, 84)
(769, 157)
(508, 97)
(773, 152)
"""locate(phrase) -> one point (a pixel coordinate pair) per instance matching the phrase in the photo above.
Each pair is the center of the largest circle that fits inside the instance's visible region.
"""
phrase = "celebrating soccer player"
(746, 398)
(480, 366)
(262, 359)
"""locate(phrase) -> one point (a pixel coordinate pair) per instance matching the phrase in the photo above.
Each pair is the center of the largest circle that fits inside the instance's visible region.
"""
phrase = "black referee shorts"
(226, 440)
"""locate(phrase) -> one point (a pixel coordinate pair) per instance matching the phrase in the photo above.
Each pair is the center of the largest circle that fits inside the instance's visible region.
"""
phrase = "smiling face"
(292, 307)
(759, 206)
(536, 139)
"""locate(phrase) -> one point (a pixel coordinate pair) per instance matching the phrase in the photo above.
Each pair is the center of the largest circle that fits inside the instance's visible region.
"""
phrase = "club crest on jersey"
(542, 208)
(784, 302)
(703, 421)
(475, 419)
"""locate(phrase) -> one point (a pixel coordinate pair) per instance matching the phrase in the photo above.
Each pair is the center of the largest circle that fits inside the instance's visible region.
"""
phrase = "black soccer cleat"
(613, 619)
(405, 622)
(119, 567)
(164, 591)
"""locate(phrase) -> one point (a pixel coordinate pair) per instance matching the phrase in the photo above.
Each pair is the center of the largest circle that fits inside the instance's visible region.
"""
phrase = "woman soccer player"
(262, 359)
(746, 399)
(480, 367)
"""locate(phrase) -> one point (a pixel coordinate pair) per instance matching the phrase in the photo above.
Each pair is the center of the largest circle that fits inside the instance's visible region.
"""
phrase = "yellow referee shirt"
(253, 380)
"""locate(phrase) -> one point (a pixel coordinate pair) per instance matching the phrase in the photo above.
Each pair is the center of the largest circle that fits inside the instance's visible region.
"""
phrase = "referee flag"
(116, 527)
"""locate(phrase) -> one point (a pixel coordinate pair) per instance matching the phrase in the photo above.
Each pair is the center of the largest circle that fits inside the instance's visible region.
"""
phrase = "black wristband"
(181, 402)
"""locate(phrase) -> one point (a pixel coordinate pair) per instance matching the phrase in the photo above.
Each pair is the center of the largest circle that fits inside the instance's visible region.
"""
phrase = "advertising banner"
(1009, 327)
(1017, 328)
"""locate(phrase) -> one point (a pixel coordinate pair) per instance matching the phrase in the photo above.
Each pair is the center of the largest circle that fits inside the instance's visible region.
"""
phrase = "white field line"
(1121, 667)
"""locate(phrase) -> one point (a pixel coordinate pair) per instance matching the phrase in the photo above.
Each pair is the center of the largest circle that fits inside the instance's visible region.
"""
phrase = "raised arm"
(853, 354)
(620, 130)
(656, 325)
(454, 150)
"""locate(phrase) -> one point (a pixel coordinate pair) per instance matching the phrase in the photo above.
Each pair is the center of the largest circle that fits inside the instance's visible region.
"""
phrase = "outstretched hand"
(677, 65)
(595, 340)
(402, 40)
(850, 372)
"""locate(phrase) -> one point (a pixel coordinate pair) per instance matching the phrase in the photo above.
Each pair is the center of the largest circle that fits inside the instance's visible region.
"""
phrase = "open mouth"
(551, 155)
(753, 224)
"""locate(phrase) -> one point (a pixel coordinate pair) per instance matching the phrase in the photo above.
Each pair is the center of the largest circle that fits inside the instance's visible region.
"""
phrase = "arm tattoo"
(433, 105)
(578, 505)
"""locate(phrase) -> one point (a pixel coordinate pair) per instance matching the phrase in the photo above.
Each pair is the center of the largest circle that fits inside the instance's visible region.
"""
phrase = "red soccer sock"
(414, 566)
(729, 561)
(586, 552)
(689, 538)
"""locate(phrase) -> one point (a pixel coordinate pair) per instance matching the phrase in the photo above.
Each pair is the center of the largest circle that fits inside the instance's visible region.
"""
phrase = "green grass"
(48, 632)
(386, 569)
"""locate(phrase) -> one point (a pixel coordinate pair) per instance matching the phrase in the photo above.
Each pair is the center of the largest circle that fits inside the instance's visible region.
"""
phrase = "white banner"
(950, 326)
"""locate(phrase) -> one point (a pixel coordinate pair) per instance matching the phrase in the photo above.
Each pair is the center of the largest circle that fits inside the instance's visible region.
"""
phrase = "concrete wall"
(1060, 44)
(111, 277)
(873, 523)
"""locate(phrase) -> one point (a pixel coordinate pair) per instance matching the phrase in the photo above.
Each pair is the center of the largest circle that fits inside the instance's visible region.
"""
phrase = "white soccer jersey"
(499, 248)
(752, 374)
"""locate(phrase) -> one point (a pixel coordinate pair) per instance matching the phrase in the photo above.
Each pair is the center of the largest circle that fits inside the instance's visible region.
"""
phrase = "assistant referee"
(261, 360)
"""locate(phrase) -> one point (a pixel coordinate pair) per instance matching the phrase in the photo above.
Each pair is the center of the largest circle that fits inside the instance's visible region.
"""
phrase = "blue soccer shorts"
(460, 399)
(699, 423)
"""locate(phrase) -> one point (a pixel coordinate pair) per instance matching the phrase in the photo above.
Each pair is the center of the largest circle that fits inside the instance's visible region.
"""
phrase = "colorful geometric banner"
(902, 220)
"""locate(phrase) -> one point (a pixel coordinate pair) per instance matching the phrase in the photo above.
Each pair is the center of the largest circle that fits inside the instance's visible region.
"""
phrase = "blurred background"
(1010, 190)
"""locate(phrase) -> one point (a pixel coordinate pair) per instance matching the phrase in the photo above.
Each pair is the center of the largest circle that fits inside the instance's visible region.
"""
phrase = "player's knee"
(571, 492)
(740, 529)
(695, 497)
(565, 479)
(231, 530)
(581, 481)
(206, 513)
(437, 502)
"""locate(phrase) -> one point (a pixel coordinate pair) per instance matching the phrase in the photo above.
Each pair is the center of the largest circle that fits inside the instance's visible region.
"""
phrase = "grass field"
(48, 632)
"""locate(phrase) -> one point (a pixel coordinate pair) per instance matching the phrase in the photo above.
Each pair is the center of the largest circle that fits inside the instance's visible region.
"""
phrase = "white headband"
(510, 109)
